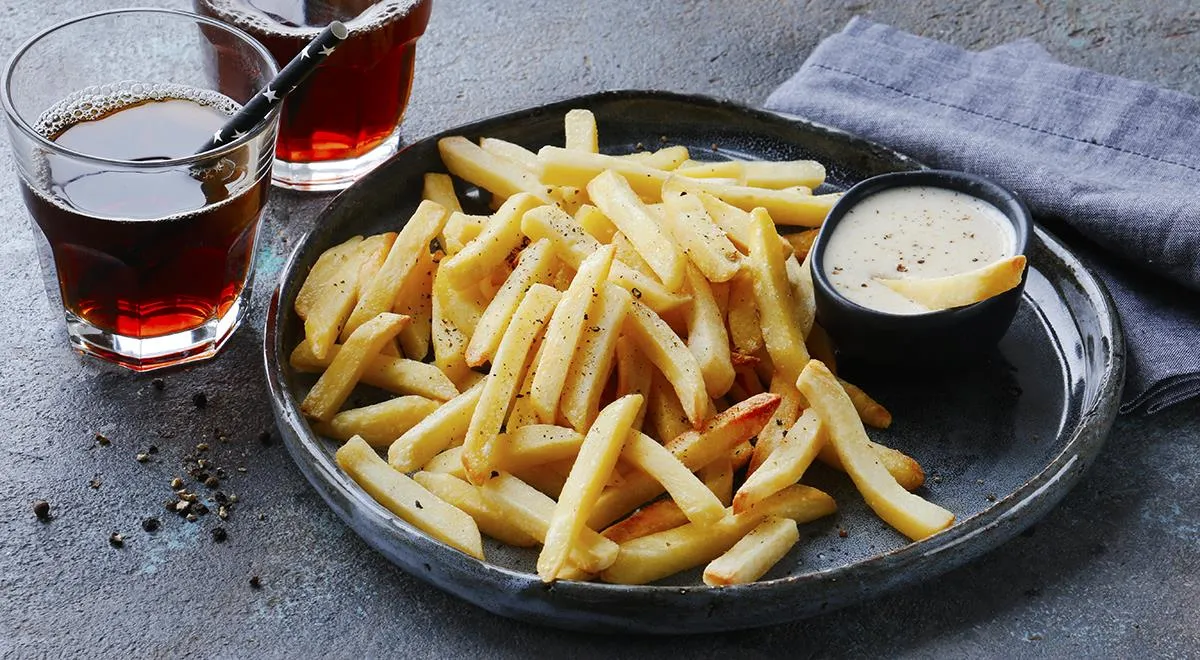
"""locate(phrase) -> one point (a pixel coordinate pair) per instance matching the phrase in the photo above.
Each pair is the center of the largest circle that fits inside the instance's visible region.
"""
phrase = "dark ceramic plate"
(1001, 443)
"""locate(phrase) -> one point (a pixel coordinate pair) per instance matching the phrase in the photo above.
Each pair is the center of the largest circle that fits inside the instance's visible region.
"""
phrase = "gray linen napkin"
(1116, 160)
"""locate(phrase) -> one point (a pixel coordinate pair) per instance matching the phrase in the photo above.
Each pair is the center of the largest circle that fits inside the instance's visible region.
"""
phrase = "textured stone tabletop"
(1113, 571)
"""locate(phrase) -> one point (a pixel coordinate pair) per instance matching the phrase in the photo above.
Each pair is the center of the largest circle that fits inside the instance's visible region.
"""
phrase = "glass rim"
(15, 117)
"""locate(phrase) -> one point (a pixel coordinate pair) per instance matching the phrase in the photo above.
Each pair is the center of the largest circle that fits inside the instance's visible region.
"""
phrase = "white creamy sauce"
(912, 232)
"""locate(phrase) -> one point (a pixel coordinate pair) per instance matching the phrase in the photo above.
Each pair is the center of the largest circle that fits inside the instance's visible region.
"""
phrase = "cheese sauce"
(912, 232)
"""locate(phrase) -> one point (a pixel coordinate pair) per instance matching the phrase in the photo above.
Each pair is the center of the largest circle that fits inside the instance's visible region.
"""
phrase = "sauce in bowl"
(912, 232)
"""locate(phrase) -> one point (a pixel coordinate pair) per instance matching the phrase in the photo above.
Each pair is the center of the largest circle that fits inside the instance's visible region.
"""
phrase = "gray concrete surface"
(1113, 572)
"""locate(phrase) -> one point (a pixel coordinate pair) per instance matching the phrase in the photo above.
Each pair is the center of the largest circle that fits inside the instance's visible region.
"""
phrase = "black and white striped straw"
(257, 108)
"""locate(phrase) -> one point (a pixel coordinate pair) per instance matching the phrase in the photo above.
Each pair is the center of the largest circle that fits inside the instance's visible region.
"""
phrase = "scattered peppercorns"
(158, 384)
(212, 482)
(219, 535)
(265, 438)
(41, 509)
(199, 399)
(255, 582)
(102, 440)
(150, 525)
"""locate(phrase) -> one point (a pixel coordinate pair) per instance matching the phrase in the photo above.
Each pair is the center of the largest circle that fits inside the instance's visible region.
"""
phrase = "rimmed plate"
(1001, 443)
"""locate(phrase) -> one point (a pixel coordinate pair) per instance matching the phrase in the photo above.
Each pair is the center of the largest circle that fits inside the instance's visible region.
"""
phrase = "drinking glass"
(344, 120)
(148, 246)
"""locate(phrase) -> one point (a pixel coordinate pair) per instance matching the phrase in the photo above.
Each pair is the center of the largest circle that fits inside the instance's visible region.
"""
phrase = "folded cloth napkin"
(1114, 159)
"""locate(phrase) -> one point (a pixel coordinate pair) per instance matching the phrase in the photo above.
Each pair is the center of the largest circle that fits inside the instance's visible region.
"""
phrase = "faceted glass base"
(152, 353)
(332, 174)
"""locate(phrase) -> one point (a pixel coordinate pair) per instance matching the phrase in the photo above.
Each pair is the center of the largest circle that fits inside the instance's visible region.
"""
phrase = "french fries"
(664, 348)
(505, 376)
(397, 270)
(334, 386)
(630, 312)
(381, 423)
(754, 555)
(613, 195)
(961, 289)
(596, 460)
(911, 515)
(656, 556)
(408, 499)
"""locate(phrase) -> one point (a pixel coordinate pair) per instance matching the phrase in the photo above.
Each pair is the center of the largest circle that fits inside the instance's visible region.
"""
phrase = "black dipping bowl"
(933, 340)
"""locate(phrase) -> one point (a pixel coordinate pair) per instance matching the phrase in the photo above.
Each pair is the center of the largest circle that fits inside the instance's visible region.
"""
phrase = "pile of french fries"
(617, 364)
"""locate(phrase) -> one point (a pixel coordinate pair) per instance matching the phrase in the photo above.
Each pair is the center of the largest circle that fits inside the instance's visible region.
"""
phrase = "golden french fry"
(595, 223)
(668, 352)
(594, 357)
(909, 514)
(416, 302)
(564, 167)
(442, 428)
(592, 468)
(312, 291)
(335, 300)
(800, 279)
(696, 501)
(664, 413)
(381, 423)
(733, 221)
(613, 195)
(439, 188)
(567, 327)
(523, 412)
(531, 511)
(754, 555)
(400, 268)
(801, 241)
(513, 153)
(870, 411)
(500, 236)
(508, 368)
(707, 338)
(459, 230)
(745, 330)
(498, 176)
(334, 386)
(667, 158)
(408, 499)
(628, 255)
(569, 198)
(704, 243)
(656, 556)
(655, 517)
(782, 174)
(580, 128)
(904, 469)
(790, 403)
(964, 288)
(777, 307)
(447, 462)
(449, 343)
(786, 463)
(394, 374)
(536, 265)
(467, 498)
(795, 207)
(694, 449)
(573, 245)
(635, 375)
(537, 444)
(725, 169)
(718, 477)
